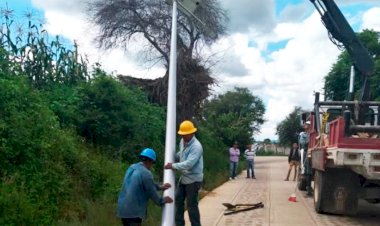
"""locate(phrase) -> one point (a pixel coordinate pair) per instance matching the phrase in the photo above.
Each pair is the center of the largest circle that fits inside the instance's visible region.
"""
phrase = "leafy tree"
(337, 80)
(288, 129)
(117, 117)
(234, 116)
(30, 181)
(63, 101)
(150, 21)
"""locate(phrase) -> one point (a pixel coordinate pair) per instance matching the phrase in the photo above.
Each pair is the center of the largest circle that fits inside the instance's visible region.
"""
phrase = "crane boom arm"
(340, 29)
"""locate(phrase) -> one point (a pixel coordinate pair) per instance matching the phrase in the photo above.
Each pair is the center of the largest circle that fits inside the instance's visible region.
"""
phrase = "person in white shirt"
(250, 154)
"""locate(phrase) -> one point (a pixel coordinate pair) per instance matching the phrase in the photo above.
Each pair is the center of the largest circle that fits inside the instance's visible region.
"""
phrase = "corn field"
(45, 60)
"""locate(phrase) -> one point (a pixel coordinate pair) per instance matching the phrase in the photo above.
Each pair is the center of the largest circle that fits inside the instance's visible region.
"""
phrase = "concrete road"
(271, 189)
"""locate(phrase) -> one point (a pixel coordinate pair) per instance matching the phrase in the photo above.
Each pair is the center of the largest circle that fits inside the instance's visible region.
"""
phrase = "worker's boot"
(309, 190)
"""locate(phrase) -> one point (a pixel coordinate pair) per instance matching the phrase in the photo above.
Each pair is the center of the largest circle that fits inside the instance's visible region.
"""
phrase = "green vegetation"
(337, 80)
(337, 84)
(234, 116)
(68, 134)
(289, 128)
(47, 173)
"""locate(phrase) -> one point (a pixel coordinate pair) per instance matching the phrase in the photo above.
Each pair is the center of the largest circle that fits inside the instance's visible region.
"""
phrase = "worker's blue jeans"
(190, 193)
(233, 169)
(250, 166)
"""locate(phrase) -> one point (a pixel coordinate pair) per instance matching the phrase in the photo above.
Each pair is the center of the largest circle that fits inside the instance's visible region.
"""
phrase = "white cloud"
(75, 26)
(290, 75)
(346, 2)
(295, 12)
(248, 15)
(371, 19)
(283, 79)
(72, 6)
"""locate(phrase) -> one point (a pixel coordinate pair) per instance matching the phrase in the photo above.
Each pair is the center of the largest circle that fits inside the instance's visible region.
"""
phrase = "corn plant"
(43, 61)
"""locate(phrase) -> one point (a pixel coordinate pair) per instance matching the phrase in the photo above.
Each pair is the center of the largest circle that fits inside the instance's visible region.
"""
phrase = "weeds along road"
(271, 189)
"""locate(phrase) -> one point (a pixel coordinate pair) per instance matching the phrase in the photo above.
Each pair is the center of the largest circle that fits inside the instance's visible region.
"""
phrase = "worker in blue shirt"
(138, 187)
(190, 163)
(303, 140)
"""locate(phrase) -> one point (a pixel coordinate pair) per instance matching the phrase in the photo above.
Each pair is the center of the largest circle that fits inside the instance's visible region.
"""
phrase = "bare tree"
(121, 21)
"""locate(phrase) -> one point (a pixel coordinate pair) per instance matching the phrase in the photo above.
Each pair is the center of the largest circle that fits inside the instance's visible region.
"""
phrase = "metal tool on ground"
(237, 208)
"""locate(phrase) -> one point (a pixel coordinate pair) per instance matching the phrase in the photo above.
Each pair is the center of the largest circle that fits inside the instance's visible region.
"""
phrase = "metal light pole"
(352, 83)
(169, 176)
(187, 7)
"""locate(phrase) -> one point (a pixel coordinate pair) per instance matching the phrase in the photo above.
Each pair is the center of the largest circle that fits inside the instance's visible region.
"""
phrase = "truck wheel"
(335, 191)
(319, 191)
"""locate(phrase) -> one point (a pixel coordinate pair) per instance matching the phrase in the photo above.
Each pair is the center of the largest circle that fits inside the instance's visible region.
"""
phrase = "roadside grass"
(99, 212)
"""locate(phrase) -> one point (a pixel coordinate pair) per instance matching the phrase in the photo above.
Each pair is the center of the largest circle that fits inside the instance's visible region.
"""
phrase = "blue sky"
(280, 4)
(20, 7)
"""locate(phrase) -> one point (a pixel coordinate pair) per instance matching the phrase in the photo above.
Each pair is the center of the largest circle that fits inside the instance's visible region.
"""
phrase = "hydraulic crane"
(341, 34)
(340, 30)
(343, 152)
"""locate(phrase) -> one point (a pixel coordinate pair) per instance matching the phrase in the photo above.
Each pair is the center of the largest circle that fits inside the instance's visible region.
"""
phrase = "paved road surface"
(271, 189)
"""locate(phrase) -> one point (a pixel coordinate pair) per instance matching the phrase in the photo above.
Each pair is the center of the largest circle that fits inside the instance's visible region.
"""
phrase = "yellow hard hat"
(186, 128)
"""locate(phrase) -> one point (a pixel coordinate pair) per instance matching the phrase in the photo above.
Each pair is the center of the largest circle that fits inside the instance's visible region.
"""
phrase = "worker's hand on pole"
(167, 199)
(165, 186)
(169, 166)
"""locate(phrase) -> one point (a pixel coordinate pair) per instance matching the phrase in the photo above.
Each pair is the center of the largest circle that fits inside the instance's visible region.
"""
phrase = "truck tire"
(319, 190)
(335, 191)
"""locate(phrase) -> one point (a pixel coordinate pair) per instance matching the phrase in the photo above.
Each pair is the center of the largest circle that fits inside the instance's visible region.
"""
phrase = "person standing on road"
(138, 187)
(294, 161)
(250, 154)
(234, 160)
(303, 141)
(190, 163)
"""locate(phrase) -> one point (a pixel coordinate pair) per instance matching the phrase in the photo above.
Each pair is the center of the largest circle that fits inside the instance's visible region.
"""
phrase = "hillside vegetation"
(68, 132)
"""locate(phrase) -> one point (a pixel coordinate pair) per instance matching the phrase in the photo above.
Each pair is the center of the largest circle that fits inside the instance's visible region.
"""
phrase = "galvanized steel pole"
(352, 80)
(169, 176)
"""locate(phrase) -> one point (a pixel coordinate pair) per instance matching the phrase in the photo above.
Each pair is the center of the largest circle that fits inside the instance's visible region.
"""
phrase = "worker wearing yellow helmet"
(190, 163)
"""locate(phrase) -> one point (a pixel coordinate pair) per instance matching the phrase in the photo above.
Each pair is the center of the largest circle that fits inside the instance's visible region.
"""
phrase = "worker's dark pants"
(131, 221)
(308, 174)
(190, 193)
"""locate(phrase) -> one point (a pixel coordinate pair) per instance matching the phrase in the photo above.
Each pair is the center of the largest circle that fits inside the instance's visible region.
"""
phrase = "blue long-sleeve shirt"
(138, 187)
(190, 161)
(303, 140)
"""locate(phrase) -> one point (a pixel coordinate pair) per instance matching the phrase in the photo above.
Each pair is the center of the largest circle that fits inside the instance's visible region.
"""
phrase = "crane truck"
(344, 142)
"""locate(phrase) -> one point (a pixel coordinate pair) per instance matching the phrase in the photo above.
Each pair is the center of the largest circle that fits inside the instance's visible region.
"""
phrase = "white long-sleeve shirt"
(250, 154)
